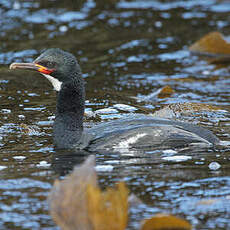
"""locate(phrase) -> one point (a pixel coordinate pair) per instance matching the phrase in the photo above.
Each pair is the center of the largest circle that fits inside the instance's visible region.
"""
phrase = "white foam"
(2, 167)
(106, 111)
(43, 164)
(113, 162)
(19, 157)
(169, 151)
(124, 107)
(177, 158)
(224, 143)
(104, 168)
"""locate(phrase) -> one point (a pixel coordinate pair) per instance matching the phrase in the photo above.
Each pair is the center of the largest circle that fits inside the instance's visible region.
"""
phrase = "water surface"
(127, 51)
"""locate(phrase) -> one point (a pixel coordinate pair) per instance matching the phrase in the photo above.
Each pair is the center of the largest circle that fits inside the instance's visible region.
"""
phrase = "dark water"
(127, 50)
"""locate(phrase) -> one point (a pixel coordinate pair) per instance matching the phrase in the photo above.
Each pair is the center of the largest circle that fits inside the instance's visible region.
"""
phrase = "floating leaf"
(212, 43)
(165, 222)
(166, 91)
(77, 203)
(68, 200)
(109, 209)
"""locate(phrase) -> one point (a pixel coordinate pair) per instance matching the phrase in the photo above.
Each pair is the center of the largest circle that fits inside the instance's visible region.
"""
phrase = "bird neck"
(68, 124)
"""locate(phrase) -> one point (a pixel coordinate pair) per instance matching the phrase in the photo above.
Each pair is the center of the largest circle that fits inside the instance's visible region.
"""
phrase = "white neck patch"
(55, 82)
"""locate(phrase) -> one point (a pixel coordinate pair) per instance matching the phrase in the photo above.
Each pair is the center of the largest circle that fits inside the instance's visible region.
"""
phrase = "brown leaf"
(166, 222)
(77, 203)
(166, 91)
(212, 43)
(109, 209)
(68, 200)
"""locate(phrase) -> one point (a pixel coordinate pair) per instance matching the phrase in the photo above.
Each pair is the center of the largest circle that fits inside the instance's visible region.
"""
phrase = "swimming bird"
(61, 68)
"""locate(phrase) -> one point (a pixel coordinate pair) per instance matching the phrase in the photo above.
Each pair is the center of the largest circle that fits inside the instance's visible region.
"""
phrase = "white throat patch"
(55, 82)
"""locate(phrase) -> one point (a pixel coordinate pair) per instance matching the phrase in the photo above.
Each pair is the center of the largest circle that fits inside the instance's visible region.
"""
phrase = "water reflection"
(63, 161)
(127, 50)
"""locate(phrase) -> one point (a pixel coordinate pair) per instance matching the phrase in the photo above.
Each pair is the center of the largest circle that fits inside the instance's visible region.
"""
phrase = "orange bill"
(31, 66)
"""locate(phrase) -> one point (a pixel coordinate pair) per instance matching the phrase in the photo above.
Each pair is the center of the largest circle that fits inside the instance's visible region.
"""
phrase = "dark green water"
(127, 50)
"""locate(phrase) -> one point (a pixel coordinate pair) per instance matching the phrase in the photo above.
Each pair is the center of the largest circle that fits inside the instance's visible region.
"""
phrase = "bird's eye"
(47, 64)
(50, 64)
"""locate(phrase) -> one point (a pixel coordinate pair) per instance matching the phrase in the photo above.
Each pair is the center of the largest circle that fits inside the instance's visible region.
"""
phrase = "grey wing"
(147, 138)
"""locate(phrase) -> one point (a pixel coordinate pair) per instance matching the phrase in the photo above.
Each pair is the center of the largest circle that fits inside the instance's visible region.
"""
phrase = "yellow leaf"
(109, 209)
(212, 43)
(166, 222)
(77, 203)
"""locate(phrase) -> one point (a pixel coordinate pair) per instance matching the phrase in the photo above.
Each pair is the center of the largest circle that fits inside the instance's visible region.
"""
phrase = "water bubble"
(6, 111)
(177, 158)
(214, 166)
(21, 116)
(158, 24)
(199, 163)
(63, 28)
